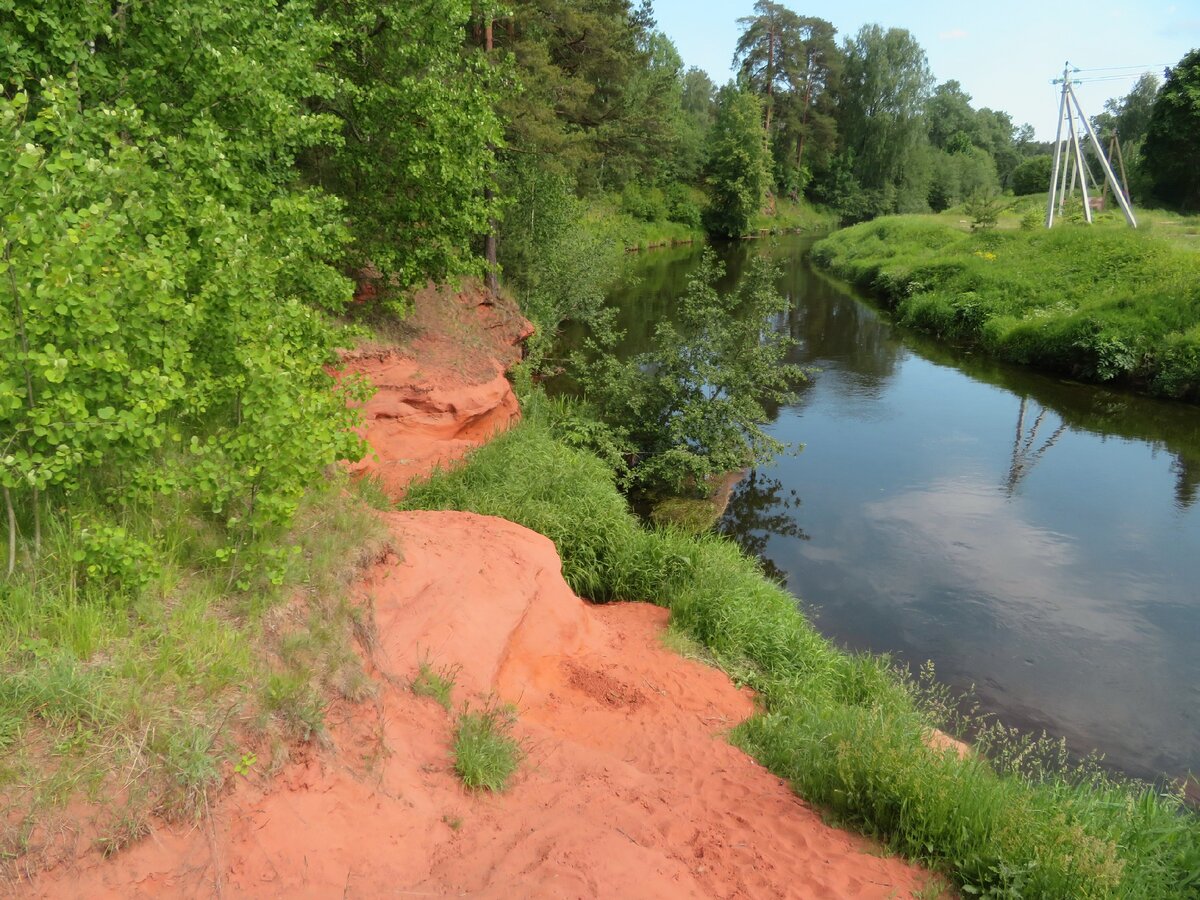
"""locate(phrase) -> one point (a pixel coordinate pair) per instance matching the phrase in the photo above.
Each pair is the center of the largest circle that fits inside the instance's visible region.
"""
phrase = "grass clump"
(485, 752)
(131, 683)
(848, 731)
(1105, 304)
(435, 683)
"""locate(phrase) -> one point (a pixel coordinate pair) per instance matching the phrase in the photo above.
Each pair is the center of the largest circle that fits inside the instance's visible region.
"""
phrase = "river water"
(1035, 538)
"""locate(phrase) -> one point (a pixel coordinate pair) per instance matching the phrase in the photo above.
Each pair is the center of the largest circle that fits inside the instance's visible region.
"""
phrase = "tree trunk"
(19, 319)
(804, 122)
(489, 241)
(770, 79)
(12, 532)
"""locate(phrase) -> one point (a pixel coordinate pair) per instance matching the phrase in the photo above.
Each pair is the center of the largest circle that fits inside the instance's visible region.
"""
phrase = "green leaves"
(158, 258)
(738, 163)
(693, 406)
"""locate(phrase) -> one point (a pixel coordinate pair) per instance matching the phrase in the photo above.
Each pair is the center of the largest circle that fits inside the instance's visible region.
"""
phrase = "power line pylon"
(1074, 150)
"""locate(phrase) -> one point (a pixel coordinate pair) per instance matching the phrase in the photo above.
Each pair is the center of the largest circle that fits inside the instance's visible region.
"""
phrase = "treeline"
(193, 188)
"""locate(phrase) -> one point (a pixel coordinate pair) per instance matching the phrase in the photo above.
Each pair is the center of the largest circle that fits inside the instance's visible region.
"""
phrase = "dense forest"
(192, 189)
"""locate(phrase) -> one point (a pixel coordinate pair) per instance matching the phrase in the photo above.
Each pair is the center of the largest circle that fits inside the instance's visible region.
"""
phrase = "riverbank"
(628, 784)
(1106, 304)
(845, 730)
(652, 228)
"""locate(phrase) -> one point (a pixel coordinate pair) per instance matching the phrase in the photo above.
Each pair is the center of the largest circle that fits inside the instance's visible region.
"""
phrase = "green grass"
(1105, 304)
(133, 667)
(606, 217)
(848, 731)
(792, 216)
(437, 684)
(486, 755)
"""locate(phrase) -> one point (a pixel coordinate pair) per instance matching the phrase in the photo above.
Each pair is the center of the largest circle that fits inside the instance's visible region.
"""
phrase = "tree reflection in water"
(756, 512)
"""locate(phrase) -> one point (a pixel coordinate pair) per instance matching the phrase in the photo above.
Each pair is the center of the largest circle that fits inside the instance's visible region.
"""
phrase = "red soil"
(629, 787)
(444, 394)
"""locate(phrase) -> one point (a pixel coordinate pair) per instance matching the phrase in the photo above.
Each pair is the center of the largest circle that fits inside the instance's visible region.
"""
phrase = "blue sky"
(1004, 54)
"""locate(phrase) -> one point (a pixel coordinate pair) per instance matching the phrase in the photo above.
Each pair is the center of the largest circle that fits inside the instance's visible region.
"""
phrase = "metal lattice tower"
(1073, 149)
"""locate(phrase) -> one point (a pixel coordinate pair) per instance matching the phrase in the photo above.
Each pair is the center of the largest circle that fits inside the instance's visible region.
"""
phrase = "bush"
(1033, 176)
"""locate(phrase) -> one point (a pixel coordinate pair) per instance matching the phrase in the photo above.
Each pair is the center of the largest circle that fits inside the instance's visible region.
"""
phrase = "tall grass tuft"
(848, 731)
(486, 755)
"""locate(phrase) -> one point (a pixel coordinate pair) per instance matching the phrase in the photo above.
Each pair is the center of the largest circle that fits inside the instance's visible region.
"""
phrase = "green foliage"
(419, 130)
(692, 406)
(984, 207)
(957, 176)
(1173, 138)
(886, 84)
(738, 166)
(486, 755)
(143, 312)
(556, 265)
(1104, 303)
(1032, 176)
(849, 732)
(437, 684)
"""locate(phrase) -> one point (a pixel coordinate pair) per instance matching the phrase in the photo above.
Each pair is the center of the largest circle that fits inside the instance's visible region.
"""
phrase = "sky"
(1005, 55)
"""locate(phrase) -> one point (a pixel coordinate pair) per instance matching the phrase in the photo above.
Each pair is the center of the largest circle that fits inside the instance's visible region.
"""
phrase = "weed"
(123, 832)
(485, 753)
(453, 822)
(111, 664)
(436, 683)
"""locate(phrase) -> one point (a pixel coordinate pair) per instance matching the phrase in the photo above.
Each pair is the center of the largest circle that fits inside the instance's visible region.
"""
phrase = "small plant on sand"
(436, 683)
(485, 752)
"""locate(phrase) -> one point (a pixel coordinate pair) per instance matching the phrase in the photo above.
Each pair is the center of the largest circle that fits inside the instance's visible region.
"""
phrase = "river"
(1035, 538)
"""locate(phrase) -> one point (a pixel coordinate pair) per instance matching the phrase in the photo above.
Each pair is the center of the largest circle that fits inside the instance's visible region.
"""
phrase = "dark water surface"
(1037, 538)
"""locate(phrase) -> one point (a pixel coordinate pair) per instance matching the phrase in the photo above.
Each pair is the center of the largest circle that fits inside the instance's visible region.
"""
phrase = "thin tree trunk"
(489, 241)
(12, 532)
(19, 317)
(37, 523)
(770, 79)
(804, 123)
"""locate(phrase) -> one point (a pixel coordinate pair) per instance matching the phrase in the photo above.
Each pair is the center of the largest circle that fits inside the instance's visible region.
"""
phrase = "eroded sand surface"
(629, 788)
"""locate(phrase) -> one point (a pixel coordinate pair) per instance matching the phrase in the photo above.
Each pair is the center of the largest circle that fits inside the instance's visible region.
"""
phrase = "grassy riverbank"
(1105, 304)
(648, 220)
(848, 732)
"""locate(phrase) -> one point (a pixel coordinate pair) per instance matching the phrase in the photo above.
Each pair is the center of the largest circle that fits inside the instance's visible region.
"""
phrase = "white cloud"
(954, 34)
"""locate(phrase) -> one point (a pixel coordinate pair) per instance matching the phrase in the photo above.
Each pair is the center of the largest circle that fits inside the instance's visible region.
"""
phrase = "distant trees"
(1032, 176)
(1171, 151)
(738, 167)
(860, 126)
(1129, 117)
(880, 114)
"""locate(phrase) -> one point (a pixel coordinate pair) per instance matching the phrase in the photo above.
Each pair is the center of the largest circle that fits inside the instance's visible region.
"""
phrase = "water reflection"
(1034, 537)
(758, 510)
(1024, 454)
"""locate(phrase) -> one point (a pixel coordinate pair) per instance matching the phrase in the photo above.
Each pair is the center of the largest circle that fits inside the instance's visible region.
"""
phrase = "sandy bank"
(629, 788)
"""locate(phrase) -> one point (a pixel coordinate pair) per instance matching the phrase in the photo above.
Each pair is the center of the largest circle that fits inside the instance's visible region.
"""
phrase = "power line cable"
(1115, 68)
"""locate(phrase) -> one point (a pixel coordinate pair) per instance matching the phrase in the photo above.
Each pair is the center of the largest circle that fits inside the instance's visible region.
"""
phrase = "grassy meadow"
(1104, 304)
